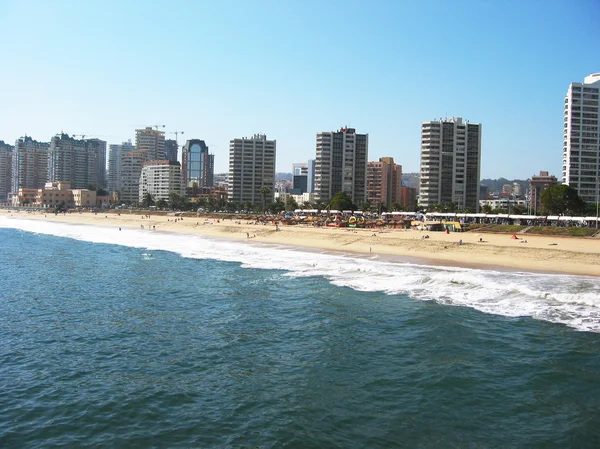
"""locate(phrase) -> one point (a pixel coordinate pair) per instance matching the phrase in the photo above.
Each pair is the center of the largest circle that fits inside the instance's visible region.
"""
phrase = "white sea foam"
(571, 300)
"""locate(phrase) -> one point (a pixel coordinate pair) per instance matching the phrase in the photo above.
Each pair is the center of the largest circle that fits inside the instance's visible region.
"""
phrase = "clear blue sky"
(224, 69)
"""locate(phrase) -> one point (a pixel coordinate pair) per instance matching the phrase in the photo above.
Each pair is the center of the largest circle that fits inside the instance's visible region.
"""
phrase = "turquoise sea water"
(223, 344)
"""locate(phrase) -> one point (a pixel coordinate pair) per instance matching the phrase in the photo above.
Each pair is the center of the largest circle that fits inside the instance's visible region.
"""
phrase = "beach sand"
(568, 255)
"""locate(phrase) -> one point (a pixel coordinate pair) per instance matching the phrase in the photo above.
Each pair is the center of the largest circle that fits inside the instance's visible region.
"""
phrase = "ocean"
(141, 339)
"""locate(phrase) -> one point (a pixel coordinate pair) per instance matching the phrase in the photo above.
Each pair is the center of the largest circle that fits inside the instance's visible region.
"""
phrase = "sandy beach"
(569, 255)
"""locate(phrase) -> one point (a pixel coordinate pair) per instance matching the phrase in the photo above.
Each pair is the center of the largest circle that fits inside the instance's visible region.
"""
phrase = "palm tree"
(264, 191)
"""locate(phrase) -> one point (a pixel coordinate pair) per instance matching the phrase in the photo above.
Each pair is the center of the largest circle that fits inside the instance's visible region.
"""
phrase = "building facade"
(151, 142)
(6, 152)
(409, 198)
(581, 141)
(80, 162)
(160, 179)
(29, 164)
(197, 164)
(55, 194)
(131, 169)
(384, 182)
(171, 150)
(537, 184)
(341, 165)
(299, 178)
(115, 153)
(251, 167)
(450, 163)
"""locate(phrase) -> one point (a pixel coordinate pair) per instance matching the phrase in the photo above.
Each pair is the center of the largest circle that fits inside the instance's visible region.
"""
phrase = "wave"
(570, 300)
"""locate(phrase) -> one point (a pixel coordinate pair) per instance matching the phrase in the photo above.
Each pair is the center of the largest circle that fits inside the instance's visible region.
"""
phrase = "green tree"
(148, 200)
(486, 209)
(562, 199)
(264, 191)
(101, 192)
(177, 202)
(291, 204)
(396, 207)
(162, 204)
(341, 201)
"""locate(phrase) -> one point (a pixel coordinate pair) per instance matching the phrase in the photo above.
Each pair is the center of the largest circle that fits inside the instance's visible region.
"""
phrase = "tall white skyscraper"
(450, 163)
(341, 165)
(115, 154)
(581, 142)
(251, 167)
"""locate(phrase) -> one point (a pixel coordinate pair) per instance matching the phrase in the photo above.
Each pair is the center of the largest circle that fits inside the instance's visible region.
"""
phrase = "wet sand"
(570, 255)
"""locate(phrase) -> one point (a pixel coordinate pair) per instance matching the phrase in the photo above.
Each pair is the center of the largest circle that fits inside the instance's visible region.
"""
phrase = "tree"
(162, 204)
(148, 200)
(486, 209)
(341, 201)
(562, 199)
(177, 202)
(101, 192)
(291, 204)
(264, 191)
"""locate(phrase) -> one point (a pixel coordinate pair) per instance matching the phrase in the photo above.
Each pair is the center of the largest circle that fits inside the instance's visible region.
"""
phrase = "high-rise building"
(251, 167)
(299, 178)
(29, 164)
(581, 141)
(159, 179)
(131, 169)
(99, 147)
(171, 149)
(450, 163)
(197, 164)
(409, 198)
(384, 182)
(152, 142)
(79, 162)
(537, 184)
(310, 176)
(115, 153)
(6, 152)
(341, 165)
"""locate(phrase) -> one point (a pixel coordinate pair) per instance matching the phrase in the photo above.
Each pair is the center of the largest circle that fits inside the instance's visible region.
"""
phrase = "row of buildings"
(450, 164)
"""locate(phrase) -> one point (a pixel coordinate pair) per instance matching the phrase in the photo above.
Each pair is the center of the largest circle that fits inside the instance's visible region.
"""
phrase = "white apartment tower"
(115, 153)
(341, 165)
(581, 143)
(251, 167)
(450, 163)
(159, 179)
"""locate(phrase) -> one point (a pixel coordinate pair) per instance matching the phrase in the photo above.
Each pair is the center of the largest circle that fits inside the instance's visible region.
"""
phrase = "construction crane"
(80, 135)
(158, 126)
(176, 134)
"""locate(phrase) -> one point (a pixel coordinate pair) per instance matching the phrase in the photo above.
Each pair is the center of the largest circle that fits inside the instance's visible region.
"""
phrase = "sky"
(225, 69)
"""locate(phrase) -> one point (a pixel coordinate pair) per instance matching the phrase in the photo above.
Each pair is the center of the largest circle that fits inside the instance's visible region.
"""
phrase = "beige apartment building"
(251, 167)
(384, 182)
(53, 194)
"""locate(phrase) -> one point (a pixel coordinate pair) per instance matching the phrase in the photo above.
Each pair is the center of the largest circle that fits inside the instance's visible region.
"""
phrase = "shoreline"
(539, 254)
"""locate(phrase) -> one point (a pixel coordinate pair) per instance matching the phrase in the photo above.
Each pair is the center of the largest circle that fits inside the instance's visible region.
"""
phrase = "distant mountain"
(410, 180)
(283, 176)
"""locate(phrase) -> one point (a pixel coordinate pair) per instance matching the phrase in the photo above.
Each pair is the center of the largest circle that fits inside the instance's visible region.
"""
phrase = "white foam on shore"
(570, 300)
